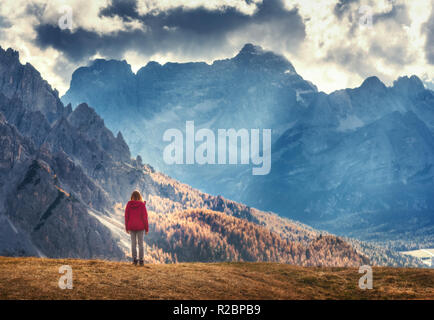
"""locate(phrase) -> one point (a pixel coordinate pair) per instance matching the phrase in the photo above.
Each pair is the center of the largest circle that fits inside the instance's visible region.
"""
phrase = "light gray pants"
(137, 237)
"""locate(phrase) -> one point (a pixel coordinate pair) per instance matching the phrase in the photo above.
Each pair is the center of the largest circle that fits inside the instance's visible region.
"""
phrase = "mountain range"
(356, 162)
(65, 179)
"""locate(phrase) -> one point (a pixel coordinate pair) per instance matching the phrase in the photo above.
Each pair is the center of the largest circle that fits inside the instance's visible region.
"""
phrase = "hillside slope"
(32, 278)
(206, 235)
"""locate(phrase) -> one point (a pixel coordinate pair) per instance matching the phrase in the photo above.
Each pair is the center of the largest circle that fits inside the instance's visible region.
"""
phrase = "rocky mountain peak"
(373, 84)
(111, 66)
(409, 85)
(250, 48)
(91, 125)
(153, 64)
(120, 137)
(25, 83)
(9, 55)
(85, 116)
(255, 56)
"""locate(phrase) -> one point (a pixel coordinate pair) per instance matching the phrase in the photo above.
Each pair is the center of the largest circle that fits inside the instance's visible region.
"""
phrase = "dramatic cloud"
(329, 42)
(349, 40)
(195, 32)
(429, 46)
(4, 23)
(365, 46)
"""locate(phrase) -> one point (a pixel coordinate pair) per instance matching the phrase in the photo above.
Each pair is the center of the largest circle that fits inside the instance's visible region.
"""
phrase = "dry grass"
(34, 278)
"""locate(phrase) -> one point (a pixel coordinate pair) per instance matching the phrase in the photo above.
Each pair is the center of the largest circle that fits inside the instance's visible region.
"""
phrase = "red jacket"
(136, 216)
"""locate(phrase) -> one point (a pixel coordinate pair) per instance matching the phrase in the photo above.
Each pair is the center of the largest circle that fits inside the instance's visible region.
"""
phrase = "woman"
(136, 222)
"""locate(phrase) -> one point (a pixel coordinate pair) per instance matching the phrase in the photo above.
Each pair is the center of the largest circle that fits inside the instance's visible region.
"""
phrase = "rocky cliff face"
(21, 81)
(46, 186)
(346, 161)
(86, 122)
(42, 218)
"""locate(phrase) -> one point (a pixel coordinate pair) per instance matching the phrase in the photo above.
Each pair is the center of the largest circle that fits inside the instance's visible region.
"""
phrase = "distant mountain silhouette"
(356, 162)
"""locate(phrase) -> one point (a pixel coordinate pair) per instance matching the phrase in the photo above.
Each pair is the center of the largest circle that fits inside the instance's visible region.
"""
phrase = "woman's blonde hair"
(136, 196)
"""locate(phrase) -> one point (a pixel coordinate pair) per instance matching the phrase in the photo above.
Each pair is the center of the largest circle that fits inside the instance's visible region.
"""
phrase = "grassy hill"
(35, 278)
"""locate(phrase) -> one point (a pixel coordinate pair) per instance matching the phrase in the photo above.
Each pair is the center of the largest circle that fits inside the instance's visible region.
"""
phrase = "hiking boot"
(141, 262)
(135, 262)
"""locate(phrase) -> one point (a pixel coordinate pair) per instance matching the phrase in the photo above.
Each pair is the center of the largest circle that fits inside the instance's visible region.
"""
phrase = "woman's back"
(136, 223)
(136, 216)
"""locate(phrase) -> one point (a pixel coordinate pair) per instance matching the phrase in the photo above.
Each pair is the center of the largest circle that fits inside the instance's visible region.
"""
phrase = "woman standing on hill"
(136, 222)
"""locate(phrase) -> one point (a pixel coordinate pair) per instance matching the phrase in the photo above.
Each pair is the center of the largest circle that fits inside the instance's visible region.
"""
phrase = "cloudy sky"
(333, 43)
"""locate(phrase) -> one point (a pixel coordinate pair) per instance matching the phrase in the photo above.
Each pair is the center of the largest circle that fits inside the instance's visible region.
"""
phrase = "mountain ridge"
(309, 129)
